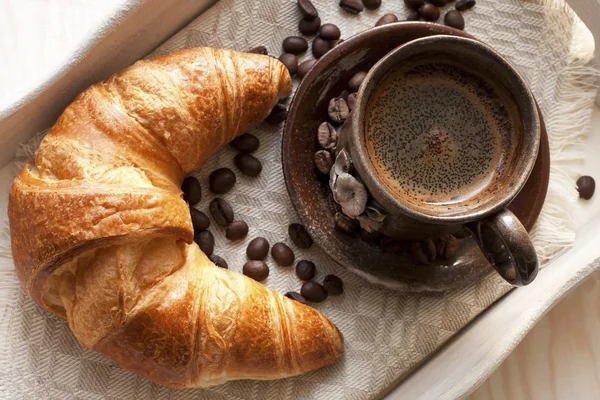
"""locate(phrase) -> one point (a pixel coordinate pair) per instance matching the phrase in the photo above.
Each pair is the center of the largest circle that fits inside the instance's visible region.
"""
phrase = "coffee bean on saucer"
(462, 5)
(305, 67)
(257, 249)
(451, 247)
(338, 110)
(369, 237)
(351, 6)
(290, 61)
(329, 32)
(309, 27)
(352, 100)
(248, 164)
(221, 211)
(429, 12)
(438, 3)
(246, 143)
(333, 285)
(305, 270)
(296, 296)
(371, 4)
(414, 4)
(313, 292)
(294, 44)
(192, 192)
(344, 224)
(430, 249)
(327, 136)
(454, 19)
(221, 180)
(586, 185)
(387, 19)
(257, 270)
(356, 80)
(282, 254)
(206, 242)
(307, 9)
(323, 161)
(278, 114)
(219, 261)
(259, 50)
(200, 221)
(418, 253)
(413, 16)
(236, 230)
(300, 236)
(320, 46)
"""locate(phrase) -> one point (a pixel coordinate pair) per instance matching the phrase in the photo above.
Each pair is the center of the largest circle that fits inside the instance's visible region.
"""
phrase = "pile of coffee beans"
(429, 10)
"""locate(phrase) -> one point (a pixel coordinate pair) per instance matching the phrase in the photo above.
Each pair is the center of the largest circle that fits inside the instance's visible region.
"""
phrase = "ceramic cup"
(449, 149)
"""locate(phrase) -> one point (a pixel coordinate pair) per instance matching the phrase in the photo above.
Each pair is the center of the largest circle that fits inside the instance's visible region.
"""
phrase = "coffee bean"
(314, 292)
(320, 46)
(305, 270)
(451, 247)
(371, 4)
(429, 12)
(290, 61)
(414, 4)
(430, 249)
(323, 161)
(257, 270)
(206, 241)
(221, 180)
(352, 100)
(305, 67)
(413, 16)
(454, 19)
(309, 27)
(392, 245)
(246, 143)
(334, 285)
(307, 9)
(221, 211)
(440, 245)
(356, 80)
(387, 19)
(338, 110)
(418, 253)
(300, 236)
(257, 249)
(438, 3)
(462, 5)
(248, 164)
(236, 230)
(329, 32)
(586, 185)
(369, 237)
(200, 221)
(296, 296)
(219, 261)
(282, 254)
(327, 136)
(344, 224)
(351, 6)
(294, 45)
(259, 50)
(278, 114)
(192, 192)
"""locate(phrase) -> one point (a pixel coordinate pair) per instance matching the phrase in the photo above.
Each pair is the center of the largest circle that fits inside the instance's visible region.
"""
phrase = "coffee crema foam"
(438, 134)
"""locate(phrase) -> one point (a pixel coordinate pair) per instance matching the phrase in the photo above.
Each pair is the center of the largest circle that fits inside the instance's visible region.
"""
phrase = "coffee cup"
(444, 134)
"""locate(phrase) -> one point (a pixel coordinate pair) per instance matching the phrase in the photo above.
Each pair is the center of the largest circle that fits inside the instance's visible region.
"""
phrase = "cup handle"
(507, 246)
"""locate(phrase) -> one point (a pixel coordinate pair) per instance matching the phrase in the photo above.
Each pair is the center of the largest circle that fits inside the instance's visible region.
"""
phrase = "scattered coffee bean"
(586, 185)
(371, 4)
(430, 250)
(309, 27)
(414, 4)
(219, 261)
(290, 61)
(278, 114)
(200, 221)
(246, 143)
(352, 100)
(192, 192)
(282, 254)
(300, 236)
(387, 19)
(338, 110)
(294, 45)
(236, 230)
(257, 249)
(296, 296)
(206, 242)
(438, 3)
(344, 224)
(257, 270)
(392, 245)
(305, 67)
(333, 285)
(351, 6)
(248, 164)
(320, 46)
(369, 237)
(429, 12)
(356, 80)
(314, 292)
(327, 136)
(307, 9)
(462, 5)
(259, 50)
(329, 32)
(454, 19)
(413, 16)
(451, 247)
(323, 161)
(305, 270)
(418, 254)
(221, 211)
(221, 180)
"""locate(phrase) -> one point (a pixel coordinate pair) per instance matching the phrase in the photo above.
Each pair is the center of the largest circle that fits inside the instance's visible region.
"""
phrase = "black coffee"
(438, 134)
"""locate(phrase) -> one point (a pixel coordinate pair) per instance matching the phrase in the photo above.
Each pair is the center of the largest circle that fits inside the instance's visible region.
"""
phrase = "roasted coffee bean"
(296, 296)
(219, 261)
(387, 19)
(246, 143)
(586, 185)
(344, 224)
(294, 44)
(259, 50)
(221, 211)
(352, 101)
(334, 285)
(462, 5)
(438, 3)
(429, 12)
(338, 110)
(200, 221)
(305, 270)
(327, 136)
(236, 230)
(356, 80)
(440, 245)
(329, 32)
(451, 247)
(307, 9)
(320, 46)
(221, 180)
(413, 16)
(371, 4)
(257, 249)
(282, 254)
(192, 192)
(454, 19)
(392, 245)
(414, 4)
(323, 161)
(290, 61)
(351, 6)
(313, 291)
(206, 242)
(418, 254)
(257, 270)
(248, 164)
(278, 114)
(300, 236)
(369, 237)
(430, 250)
(309, 27)
(305, 67)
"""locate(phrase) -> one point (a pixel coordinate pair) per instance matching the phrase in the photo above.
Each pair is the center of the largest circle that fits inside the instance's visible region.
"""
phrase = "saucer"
(310, 192)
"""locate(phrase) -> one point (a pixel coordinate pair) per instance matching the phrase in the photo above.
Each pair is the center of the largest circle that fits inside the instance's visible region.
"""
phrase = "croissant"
(102, 237)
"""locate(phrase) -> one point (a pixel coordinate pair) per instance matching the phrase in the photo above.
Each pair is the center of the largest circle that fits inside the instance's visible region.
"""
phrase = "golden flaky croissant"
(102, 237)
